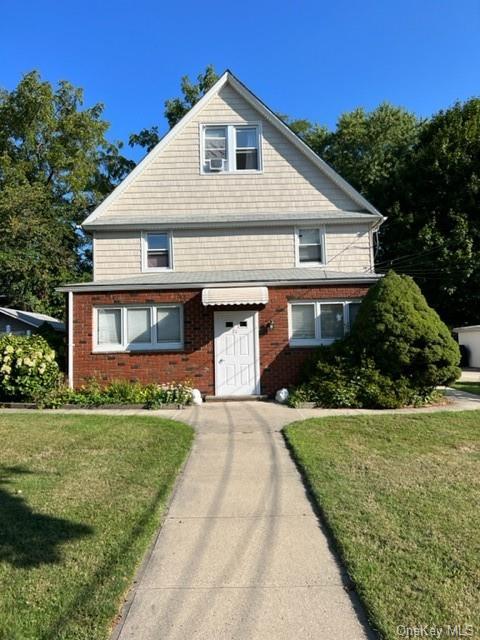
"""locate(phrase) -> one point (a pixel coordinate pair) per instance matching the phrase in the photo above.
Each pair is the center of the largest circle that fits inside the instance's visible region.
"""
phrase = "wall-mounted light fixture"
(270, 325)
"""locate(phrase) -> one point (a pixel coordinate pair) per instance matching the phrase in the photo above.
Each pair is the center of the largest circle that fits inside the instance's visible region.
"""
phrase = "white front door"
(236, 358)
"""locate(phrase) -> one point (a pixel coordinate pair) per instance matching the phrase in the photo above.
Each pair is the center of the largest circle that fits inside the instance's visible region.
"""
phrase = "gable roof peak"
(267, 113)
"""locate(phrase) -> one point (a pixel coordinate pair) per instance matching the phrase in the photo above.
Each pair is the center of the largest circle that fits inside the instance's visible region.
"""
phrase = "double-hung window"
(157, 251)
(146, 327)
(231, 148)
(314, 323)
(310, 246)
(216, 148)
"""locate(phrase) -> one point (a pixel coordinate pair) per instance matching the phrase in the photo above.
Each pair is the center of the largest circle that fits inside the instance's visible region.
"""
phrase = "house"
(225, 257)
(469, 337)
(21, 322)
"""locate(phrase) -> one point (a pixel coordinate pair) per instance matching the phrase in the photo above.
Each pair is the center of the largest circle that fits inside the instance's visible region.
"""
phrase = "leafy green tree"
(405, 338)
(176, 108)
(433, 230)
(368, 148)
(55, 167)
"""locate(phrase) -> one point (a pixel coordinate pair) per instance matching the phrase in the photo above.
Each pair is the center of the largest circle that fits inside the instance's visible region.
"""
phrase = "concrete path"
(241, 555)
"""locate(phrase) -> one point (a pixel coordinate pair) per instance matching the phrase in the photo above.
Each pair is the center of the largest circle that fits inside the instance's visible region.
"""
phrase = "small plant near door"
(397, 353)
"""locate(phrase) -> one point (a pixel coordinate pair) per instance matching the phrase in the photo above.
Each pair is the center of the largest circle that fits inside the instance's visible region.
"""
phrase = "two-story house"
(225, 256)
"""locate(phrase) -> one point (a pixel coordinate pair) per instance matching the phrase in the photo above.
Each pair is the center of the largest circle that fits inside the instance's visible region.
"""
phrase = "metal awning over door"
(224, 296)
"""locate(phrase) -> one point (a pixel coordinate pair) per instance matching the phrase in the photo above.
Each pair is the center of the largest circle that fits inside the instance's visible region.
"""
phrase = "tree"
(55, 167)
(176, 108)
(368, 148)
(433, 231)
(405, 338)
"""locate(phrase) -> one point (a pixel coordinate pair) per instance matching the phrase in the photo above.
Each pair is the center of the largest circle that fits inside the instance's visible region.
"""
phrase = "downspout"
(70, 339)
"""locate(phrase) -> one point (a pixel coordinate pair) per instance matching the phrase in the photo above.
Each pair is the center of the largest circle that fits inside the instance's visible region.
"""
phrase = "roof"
(202, 219)
(472, 327)
(33, 319)
(267, 113)
(200, 279)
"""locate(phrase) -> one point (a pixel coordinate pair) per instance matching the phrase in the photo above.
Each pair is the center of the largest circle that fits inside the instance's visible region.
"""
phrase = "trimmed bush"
(397, 353)
(405, 337)
(28, 369)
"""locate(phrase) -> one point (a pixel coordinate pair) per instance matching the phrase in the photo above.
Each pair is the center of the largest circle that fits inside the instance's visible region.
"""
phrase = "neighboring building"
(470, 338)
(20, 322)
(225, 257)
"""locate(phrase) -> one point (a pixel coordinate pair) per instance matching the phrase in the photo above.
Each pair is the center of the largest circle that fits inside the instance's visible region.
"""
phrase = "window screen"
(138, 326)
(168, 324)
(310, 245)
(109, 326)
(303, 321)
(158, 250)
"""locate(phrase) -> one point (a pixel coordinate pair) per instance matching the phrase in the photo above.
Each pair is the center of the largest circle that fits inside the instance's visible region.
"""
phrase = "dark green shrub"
(405, 337)
(28, 369)
(397, 353)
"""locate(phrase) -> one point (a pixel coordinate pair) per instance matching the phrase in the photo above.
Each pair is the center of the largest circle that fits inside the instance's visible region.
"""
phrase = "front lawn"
(469, 387)
(80, 499)
(401, 496)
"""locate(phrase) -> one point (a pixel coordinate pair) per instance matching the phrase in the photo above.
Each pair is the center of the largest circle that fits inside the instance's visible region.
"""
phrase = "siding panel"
(118, 254)
(173, 183)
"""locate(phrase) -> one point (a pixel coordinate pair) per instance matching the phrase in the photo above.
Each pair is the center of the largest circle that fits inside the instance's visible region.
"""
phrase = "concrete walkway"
(241, 554)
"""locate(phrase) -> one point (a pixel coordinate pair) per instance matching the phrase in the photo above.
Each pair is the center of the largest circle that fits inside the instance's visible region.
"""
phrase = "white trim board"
(261, 108)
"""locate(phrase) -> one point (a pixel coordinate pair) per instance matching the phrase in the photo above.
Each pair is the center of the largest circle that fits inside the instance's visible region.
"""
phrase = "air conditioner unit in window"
(216, 164)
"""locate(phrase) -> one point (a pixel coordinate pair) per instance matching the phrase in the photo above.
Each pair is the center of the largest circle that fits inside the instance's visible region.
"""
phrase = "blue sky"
(308, 59)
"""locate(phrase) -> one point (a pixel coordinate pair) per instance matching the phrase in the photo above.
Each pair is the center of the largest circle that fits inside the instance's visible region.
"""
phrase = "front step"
(234, 398)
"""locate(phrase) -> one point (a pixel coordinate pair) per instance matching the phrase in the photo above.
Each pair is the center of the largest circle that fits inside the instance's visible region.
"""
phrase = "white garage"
(470, 337)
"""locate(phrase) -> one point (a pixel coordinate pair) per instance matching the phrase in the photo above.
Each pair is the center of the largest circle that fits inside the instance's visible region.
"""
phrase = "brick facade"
(280, 364)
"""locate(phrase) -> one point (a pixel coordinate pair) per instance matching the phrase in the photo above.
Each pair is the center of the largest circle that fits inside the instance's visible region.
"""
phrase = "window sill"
(140, 349)
(236, 172)
(157, 269)
(294, 344)
(310, 265)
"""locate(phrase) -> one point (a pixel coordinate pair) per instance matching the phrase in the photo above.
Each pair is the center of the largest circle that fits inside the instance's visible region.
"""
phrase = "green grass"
(80, 499)
(400, 495)
(469, 387)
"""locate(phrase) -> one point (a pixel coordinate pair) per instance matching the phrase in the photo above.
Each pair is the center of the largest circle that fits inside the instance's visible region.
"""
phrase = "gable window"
(216, 148)
(231, 148)
(246, 150)
(310, 246)
(146, 328)
(157, 250)
(314, 323)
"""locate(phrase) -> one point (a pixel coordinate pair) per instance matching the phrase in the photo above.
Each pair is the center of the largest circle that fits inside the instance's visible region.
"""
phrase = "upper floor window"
(157, 251)
(231, 148)
(310, 247)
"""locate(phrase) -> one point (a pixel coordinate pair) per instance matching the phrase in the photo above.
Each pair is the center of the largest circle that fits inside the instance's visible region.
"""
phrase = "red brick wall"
(279, 363)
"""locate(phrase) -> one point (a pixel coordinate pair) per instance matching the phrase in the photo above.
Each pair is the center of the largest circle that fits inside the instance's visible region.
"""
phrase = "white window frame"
(139, 346)
(231, 163)
(107, 347)
(322, 234)
(318, 340)
(144, 257)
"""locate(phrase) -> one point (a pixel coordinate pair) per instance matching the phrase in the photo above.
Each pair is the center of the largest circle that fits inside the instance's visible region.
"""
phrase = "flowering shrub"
(28, 369)
(93, 394)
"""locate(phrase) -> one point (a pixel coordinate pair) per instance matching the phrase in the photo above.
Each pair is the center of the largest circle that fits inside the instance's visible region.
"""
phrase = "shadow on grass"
(29, 539)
